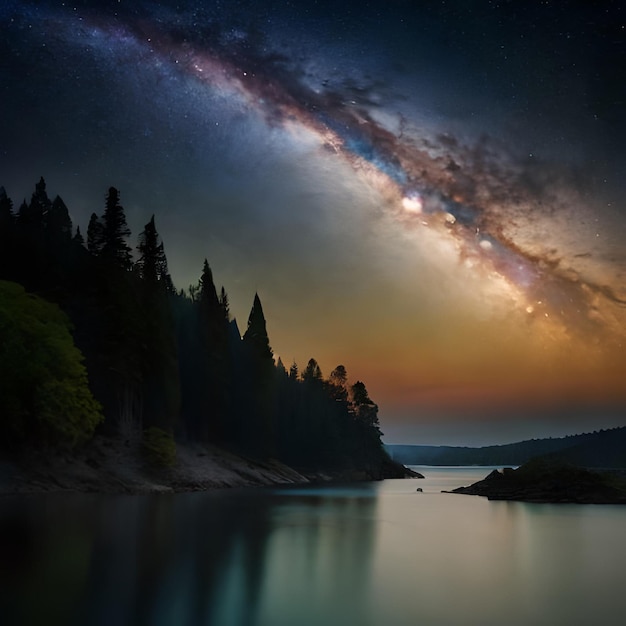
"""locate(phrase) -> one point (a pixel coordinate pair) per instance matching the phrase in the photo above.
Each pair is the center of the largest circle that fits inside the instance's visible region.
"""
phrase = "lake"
(365, 554)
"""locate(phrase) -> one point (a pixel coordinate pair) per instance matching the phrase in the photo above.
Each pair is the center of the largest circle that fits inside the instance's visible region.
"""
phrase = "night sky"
(430, 193)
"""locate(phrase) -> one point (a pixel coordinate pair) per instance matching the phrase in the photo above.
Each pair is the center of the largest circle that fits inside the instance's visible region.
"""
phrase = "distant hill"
(604, 448)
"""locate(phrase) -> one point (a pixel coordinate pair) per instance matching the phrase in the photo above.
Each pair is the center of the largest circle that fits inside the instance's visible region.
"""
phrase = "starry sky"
(430, 193)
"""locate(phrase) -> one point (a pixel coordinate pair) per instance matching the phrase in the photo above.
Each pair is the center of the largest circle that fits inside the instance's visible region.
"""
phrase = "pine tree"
(224, 303)
(78, 239)
(115, 232)
(31, 216)
(366, 410)
(58, 224)
(258, 385)
(159, 364)
(39, 203)
(208, 293)
(293, 371)
(312, 371)
(256, 334)
(338, 377)
(338, 380)
(280, 368)
(6, 211)
(7, 233)
(152, 263)
(204, 351)
(30, 258)
(95, 235)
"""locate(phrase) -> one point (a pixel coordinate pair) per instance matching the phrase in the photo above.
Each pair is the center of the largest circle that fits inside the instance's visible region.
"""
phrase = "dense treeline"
(604, 448)
(161, 361)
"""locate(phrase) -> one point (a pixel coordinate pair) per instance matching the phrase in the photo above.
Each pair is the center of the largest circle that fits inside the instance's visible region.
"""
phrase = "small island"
(549, 481)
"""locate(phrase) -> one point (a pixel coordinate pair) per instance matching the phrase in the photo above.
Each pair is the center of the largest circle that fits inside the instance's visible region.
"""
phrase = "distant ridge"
(600, 449)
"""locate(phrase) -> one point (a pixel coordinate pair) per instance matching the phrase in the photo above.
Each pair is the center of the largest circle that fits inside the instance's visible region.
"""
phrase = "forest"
(96, 339)
(600, 449)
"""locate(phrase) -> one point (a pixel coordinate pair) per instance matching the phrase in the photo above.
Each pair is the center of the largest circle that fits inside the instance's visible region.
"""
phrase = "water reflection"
(369, 555)
(238, 558)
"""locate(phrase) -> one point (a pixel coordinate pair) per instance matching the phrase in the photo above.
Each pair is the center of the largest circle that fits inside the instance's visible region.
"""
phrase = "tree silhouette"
(6, 211)
(58, 225)
(339, 376)
(366, 410)
(256, 334)
(155, 356)
(115, 232)
(312, 372)
(7, 233)
(293, 371)
(30, 245)
(39, 203)
(78, 238)
(258, 382)
(224, 303)
(338, 381)
(95, 235)
(152, 263)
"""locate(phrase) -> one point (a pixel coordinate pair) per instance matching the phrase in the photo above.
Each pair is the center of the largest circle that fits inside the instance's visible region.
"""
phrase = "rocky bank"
(544, 481)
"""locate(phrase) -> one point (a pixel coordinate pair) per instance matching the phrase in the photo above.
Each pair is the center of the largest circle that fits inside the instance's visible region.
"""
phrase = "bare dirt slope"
(111, 465)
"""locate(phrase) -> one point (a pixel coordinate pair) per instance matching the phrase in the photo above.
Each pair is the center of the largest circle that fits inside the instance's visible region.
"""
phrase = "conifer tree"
(256, 334)
(259, 378)
(58, 224)
(159, 363)
(215, 330)
(224, 303)
(312, 371)
(293, 371)
(31, 216)
(338, 380)
(95, 235)
(78, 238)
(7, 233)
(208, 292)
(39, 203)
(205, 361)
(6, 211)
(152, 263)
(30, 258)
(115, 231)
(366, 409)
(280, 367)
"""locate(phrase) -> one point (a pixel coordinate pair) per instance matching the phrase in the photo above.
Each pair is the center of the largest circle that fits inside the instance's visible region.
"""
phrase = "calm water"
(371, 554)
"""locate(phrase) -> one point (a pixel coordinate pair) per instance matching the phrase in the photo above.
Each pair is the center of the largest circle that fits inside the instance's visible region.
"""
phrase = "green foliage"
(157, 360)
(44, 393)
(159, 446)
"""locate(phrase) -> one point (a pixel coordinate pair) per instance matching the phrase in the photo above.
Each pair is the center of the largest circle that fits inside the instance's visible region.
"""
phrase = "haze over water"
(368, 554)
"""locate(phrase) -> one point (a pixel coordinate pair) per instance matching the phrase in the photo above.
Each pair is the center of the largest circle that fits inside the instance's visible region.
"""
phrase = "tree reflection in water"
(238, 557)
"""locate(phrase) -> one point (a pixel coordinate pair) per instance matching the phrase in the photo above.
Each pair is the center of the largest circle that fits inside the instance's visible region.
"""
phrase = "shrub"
(159, 446)
(44, 394)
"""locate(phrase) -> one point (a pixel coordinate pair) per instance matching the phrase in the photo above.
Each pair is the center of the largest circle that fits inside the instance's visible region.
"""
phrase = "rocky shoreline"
(548, 482)
(112, 465)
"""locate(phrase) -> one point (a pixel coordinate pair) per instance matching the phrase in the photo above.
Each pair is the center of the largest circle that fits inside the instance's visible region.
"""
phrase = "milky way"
(427, 179)
(459, 166)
